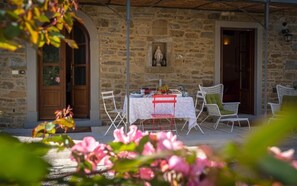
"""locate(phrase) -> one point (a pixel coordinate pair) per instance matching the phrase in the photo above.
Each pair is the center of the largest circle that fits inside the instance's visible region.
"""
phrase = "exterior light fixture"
(286, 33)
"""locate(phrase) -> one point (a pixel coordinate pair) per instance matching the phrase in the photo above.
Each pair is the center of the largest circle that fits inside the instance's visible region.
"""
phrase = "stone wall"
(190, 49)
(282, 60)
(189, 35)
(12, 88)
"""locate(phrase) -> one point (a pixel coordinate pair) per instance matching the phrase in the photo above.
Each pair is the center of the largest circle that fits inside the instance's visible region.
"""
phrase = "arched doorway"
(64, 77)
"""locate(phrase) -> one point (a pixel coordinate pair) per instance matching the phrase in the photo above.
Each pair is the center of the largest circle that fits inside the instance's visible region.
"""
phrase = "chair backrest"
(169, 100)
(108, 101)
(216, 89)
(283, 90)
(199, 97)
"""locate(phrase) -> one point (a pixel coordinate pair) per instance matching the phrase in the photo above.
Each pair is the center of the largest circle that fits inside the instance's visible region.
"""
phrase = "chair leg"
(217, 123)
(121, 120)
(249, 124)
(112, 123)
(232, 126)
(205, 119)
(184, 124)
(197, 125)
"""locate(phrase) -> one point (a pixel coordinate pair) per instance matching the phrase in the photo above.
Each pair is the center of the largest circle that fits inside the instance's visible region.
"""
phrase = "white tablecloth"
(142, 108)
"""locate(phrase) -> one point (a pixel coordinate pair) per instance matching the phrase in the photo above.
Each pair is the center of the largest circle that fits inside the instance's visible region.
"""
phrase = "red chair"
(164, 108)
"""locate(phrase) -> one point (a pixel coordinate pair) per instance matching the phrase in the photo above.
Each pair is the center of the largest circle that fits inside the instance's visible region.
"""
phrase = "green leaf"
(36, 11)
(126, 165)
(20, 165)
(268, 135)
(141, 144)
(34, 35)
(8, 45)
(279, 169)
(41, 41)
(68, 21)
(2, 15)
(71, 43)
(12, 15)
(119, 146)
(55, 41)
(66, 122)
(42, 19)
(63, 140)
(49, 126)
(12, 31)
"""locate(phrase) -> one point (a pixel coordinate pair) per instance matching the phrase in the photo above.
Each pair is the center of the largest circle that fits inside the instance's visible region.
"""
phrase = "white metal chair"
(281, 92)
(216, 107)
(199, 105)
(111, 110)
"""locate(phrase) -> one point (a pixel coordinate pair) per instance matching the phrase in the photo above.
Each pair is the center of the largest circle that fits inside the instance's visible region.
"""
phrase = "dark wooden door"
(78, 72)
(51, 81)
(64, 77)
(237, 67)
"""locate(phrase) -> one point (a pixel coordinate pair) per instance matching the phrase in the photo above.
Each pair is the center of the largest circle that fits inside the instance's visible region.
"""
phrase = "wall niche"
(159, 55)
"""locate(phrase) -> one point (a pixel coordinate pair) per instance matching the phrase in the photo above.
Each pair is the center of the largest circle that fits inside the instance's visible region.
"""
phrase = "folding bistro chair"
(164, 108)
(199, 105)
(111, 110)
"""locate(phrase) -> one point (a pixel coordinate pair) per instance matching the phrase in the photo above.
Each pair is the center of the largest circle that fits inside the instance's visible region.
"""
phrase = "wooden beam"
(156, 3)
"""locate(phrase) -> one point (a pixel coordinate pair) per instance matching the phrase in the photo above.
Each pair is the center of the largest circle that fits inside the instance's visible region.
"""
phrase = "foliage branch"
(37, 22)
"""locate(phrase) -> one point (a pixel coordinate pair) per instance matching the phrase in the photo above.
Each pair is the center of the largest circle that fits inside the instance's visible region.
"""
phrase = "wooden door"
(64, 77)
(237, 67)
(51, 82)
(78, 85)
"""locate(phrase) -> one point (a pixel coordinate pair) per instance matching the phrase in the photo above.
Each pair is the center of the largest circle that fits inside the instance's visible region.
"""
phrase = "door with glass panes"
(64, 77)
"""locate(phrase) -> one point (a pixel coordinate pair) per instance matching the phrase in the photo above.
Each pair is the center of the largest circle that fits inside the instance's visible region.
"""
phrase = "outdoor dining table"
(142, 108)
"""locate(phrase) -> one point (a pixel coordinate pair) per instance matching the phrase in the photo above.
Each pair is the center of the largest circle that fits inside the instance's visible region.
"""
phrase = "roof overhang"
(251, 6)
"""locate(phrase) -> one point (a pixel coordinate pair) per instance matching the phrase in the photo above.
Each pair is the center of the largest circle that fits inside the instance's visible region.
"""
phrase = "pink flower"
(167, 141)
(87, 145)
(133, 135)
(57, 79)
(90, 150)
(178, 164)
(148, 149)
(146, 173)
(127, 155)
(286, 155)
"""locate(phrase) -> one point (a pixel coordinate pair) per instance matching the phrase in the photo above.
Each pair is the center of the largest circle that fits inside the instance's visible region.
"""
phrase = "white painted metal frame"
(198, 110)
(213, 109)
(281, 91)
(111, 110)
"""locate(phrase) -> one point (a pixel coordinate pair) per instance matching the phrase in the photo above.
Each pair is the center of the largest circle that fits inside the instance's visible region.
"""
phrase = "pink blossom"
(57, 79)
(133, 135)
(168, 141)
(87, 145)
(108, 164)
(92, 152)
(148, 149)
(127, 155)
(146, 173)
(286, 155)
(179, 165)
